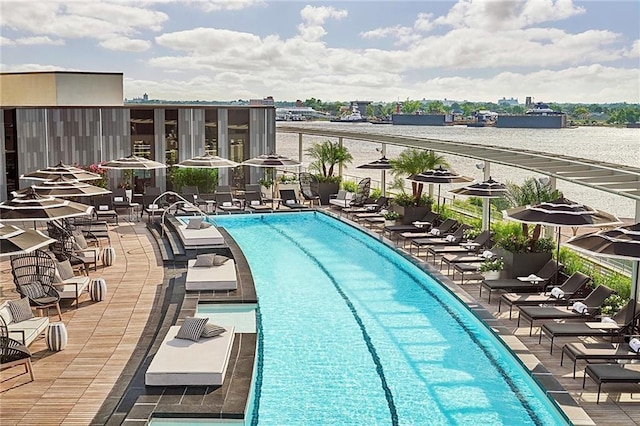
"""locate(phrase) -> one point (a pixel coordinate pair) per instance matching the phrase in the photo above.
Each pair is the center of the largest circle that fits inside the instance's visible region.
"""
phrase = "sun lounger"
(610, 373)
(199, 236)
(574, 285)
(592, 303)
(290, 200)
(623, 321)
(597, 352)
(221, 277)
(469, 247)
(519, 286)
(181, 362)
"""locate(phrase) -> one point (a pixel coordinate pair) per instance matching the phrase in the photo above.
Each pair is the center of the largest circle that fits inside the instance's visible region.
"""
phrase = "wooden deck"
(72, 385)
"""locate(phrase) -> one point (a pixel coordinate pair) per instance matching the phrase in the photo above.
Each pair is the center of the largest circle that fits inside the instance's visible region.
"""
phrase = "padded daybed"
(202, 363)
(200, 237)
(221, 277)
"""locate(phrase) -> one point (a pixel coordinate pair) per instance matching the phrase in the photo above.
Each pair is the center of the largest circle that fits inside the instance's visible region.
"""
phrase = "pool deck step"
(163, 244)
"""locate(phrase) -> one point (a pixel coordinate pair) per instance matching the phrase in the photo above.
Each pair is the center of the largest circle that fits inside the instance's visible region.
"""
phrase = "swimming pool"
(352, 333)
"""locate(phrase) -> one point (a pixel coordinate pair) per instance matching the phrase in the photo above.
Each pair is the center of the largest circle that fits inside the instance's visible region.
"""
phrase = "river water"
(613, 145)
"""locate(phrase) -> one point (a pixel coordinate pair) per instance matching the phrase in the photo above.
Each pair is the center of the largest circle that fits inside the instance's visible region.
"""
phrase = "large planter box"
(325, 190)
(522, 264)
(411, 214)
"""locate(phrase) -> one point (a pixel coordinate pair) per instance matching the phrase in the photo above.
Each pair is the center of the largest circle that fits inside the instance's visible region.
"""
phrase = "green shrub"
(349, 185)
(403, 199)
(613, 304)
(205, 179)
(375, 193)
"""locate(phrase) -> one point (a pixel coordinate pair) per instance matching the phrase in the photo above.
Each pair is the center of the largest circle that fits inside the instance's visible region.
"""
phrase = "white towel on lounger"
(580, 308)
(634, 344)
(557, 293)
(608, 320)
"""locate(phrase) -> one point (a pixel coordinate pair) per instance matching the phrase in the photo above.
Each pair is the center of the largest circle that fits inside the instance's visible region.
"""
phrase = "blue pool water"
(352, 333)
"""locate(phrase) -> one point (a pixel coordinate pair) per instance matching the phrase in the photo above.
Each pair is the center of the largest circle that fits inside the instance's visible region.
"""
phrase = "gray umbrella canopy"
(61, 170)
(487, 189)
(14, 240)
(382, 164)
(207, 162)
(439, 175)
(271, 160)
(33, 207)
(63, 187)
(562, 212)
(622, 242)
(133, 162)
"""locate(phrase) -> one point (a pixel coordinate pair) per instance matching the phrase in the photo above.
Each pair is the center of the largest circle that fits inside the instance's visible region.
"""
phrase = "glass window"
(211, 131)
(171, 136)
(141, 143)
(11, 155)
(238, 136)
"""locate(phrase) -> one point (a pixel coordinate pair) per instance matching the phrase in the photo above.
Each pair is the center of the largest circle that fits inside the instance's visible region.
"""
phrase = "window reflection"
(211, 132)
(238, 135)
(141, 143)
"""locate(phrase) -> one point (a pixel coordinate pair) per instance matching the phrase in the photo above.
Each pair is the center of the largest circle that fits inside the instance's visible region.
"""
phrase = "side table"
(56, 336)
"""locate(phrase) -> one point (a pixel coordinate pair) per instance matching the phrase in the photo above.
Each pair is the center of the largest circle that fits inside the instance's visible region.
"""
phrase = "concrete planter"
(522, 264)
(325, 190)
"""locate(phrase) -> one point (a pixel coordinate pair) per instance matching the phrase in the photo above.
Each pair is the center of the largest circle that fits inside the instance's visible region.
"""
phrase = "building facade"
(39, 136)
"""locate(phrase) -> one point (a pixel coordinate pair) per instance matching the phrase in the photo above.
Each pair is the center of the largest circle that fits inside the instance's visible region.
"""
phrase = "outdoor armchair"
(33, 275)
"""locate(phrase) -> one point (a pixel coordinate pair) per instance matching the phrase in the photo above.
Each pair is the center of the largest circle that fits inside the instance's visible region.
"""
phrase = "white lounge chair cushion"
(221, 277)
(67, 290)
(202, 363)
(191, 328)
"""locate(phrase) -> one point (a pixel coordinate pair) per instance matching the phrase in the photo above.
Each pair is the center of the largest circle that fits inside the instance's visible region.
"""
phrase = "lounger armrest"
(23, 338)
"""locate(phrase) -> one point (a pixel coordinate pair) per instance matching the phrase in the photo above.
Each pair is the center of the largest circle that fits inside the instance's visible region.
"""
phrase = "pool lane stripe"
(492, 359)
(372, 350)
(259, 367)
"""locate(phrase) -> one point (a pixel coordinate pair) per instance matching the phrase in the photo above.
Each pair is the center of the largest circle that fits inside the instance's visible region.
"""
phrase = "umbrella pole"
(384, 183)
(635, 284)
(438, 203)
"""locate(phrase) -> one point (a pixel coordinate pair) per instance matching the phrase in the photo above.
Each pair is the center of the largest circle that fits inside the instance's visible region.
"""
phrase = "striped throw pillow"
(212, 330)
(33, 290)
(191, 328)
(20, 309)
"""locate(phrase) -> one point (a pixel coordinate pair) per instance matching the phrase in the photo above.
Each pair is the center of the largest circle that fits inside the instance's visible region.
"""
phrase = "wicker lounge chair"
(12, 352)
(623, 324)
(610, 373)
(593, 303)
(575, 284)
(547, 272)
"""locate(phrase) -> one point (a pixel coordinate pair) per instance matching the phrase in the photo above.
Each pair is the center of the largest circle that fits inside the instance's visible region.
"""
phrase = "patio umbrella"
(32, 206)
(133, 162)
(63, 187)
(560, 213)
(486, 190)
(207, 162)
(271, 161)
(62, 170)
(14, 240)
(439, 176)
(382, 164)
(620, 243)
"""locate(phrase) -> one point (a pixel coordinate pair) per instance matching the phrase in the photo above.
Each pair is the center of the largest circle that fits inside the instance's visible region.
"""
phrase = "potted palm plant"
(412, 162)
(327, 155)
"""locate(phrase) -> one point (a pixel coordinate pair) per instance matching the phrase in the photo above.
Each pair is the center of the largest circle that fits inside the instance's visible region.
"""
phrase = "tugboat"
(540, 108)
(354, 117)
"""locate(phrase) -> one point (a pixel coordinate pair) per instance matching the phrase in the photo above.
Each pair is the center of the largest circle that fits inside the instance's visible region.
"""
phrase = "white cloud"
(313, 18)
(80, 19)
(32, 68)
(30, 41)
(125, 44)
(4, 41)
(216, 5)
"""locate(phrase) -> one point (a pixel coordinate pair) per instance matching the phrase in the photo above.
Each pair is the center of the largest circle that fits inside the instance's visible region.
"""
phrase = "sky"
(467, 50)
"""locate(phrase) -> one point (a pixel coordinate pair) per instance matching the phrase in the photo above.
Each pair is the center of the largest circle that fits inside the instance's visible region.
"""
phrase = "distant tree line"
(616, 113)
